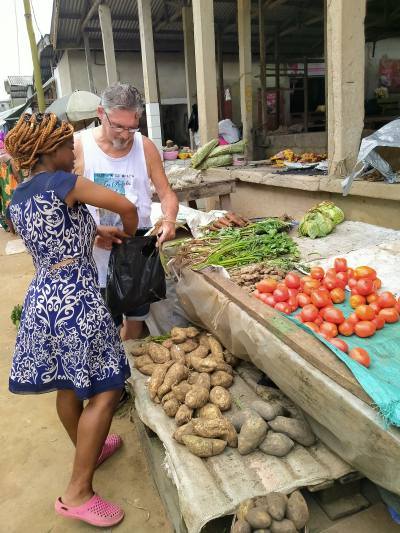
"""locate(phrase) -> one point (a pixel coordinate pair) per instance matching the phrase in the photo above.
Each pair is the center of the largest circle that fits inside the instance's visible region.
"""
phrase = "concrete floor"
(36, 455)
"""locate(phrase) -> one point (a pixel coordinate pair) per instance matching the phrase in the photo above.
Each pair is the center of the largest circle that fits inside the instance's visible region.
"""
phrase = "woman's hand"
(106, 235)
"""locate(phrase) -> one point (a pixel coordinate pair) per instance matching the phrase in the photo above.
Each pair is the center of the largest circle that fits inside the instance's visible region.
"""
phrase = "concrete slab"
(376, 519)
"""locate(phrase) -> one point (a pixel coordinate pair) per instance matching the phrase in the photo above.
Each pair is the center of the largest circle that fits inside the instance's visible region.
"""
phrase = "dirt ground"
(36, 454)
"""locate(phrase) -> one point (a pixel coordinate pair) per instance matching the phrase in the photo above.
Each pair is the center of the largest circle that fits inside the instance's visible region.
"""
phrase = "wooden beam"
(108, 43)
(245, 73)
(89, 61)
(263, 80)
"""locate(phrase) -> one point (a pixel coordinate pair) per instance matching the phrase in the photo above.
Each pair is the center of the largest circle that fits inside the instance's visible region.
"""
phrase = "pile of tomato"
(317, 293)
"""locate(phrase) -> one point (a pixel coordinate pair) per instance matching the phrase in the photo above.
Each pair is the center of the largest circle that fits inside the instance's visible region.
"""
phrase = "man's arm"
(168, 199)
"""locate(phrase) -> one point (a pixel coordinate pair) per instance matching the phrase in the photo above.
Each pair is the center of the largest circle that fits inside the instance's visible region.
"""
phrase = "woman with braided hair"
(67, 341)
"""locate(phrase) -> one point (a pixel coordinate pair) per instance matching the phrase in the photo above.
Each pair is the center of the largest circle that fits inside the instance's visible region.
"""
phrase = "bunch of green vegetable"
(212, 155)
(16, 315)
(320, 220)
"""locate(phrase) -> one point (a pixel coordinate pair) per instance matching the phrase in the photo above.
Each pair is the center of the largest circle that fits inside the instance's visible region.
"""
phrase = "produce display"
(212, 155)
(289, 156)
(275, 512)
(320, 220)
(248, 276)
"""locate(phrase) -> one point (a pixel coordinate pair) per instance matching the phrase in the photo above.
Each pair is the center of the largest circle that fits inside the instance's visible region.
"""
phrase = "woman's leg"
(93, 427)
(69, 409)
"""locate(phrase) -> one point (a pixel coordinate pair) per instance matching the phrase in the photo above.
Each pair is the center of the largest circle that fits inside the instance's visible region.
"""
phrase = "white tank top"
(126, 175)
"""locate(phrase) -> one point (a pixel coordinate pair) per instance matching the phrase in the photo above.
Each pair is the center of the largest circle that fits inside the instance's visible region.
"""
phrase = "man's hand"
(106, 235)
(166, 232)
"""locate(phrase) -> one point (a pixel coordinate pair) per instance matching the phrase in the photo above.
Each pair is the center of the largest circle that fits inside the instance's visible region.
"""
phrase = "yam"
(276, 503)
(189, 345)
(231, 359)
(200, 351)
(276, 444)
(178, 335)
(216, 427)
(183, 415)
(203, 447)
(215, 347)
(252, 434)
(193, 375)
(241, 526)
(186, 429)
(297, 510)
(197, 397)
(148, 369)
(192, 332)
(221, 398)
(284, 526)
(203, 380)
(177, 354)
(157, 378)
(175, 374)
(168, 343)
(297, 430)
(142, 360)
(263, 530)
(258, 517)
(209, 411)
(158, 353)
(181, 390)
(221, 365)
(203, 365)
(203, 340)
(268, 410)
(239, 418)
(222, 379)
(169, 396)
(171, 407)
(138, 350)
(244, 508)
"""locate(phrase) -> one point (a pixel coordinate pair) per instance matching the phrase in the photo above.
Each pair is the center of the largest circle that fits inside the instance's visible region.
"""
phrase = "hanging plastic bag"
(135, 275)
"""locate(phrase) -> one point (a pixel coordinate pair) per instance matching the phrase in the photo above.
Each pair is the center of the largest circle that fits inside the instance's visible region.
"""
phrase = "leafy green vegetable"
(332, 211)
(16, 315)
(320, 220)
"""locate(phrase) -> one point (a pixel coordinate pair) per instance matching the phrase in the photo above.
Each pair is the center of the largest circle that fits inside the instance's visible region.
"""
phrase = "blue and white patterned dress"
(66, 339)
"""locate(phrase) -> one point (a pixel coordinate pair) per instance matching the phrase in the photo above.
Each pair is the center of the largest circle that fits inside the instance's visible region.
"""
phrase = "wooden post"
(220, 64)
(108, 43)
(89, 61)
(204, 40)
(190, 61)
(277, 79)
(305, 95)
(245, 72)
(263, 71)
(149, 72)
(35, 57)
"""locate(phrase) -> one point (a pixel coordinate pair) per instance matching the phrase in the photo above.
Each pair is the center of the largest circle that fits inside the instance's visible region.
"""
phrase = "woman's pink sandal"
(96, 511)
(110, 446)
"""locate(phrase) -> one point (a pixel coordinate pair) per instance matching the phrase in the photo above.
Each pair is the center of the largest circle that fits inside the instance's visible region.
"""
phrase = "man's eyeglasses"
(119, 129)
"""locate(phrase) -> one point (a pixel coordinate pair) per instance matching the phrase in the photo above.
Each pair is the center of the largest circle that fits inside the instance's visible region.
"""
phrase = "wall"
(388, 47)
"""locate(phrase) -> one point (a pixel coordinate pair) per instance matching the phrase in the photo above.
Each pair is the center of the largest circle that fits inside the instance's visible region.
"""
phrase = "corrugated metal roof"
(22, 81)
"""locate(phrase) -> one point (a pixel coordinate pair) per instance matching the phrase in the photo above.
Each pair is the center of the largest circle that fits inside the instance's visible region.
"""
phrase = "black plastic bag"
(135, 275)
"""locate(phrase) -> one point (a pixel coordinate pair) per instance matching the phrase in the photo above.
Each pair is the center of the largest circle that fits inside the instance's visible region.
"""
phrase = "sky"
(15, 53)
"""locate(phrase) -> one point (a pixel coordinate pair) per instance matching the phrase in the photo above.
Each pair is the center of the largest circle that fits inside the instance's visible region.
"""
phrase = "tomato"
(365, 312)
(365, 286)
(309, 313)
(343, 276)
(320, 298)
(292, 301)
(267, 285)
(389, 314)
(377, 284)
(284, 307)
(281, 294)
(317, 273)
(361, 356)
(310, 286)
(350, 273)
(398, 305)
(331, 272)
(346, 328)
(364, 272)
(318, 320)
(269, 300)
(303, 299)
(386, 299)
(338, 295)
(340, 264)
(352, 283)
(375, 307)
(292, 280)
(339, 343)
(353, 318)
(330, 282)
(329, 329)
(356, 300)
(323, 311)
(304, 279)
(378, 321)
(293, 292)
(256, 293)
(373, 297)
(334, 315)
(312, 326)
(364, 328)
(354, 292)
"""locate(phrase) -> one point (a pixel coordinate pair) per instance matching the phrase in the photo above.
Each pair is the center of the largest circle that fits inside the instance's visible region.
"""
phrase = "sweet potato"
(169, 396)
(183, 415)
(200, 351)
(168, 343)
(276, 444)
(203, 340)
(137, 350)
(157, 378)
(189, 345)
(258, 517)
(175, 374)
(196, 397)
(158, 353)
(186, 429)
(221, 398)
(284, 526)
(142, 360)
(221, 379)
(221, 365)
(241, 526)
(297, 510)
(191, 332)
(203, 447)
(203, 365)
(178, 335)
(193, 375)
(231, 359)
(252, 434)
(216, 427)
(148, 369)
(239, 418)
(177, 354)
(171, 407)
(209, 411)
(215, 347)
(297, 430)
(181, 390)
(263, 530)
(276, 503)
(203, 380)
(267, 410)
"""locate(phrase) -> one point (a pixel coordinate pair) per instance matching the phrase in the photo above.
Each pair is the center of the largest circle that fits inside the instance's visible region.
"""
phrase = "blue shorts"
(137, 315)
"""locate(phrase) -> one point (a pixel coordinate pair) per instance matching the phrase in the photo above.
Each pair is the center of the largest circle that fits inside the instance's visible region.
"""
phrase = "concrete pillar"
(108, 43)
(204, 41)
(190, 60)
(245, 72)
(345, 42)
(89, 61)
(149, 72)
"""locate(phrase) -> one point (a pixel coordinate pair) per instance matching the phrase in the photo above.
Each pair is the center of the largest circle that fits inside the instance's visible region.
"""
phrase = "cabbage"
(315, 224)
(333, 211)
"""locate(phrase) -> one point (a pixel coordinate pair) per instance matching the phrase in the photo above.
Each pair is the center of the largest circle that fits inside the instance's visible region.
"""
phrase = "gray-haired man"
(117, 156)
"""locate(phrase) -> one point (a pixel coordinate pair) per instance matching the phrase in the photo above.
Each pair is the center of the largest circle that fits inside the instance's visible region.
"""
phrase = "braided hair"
(34, 135)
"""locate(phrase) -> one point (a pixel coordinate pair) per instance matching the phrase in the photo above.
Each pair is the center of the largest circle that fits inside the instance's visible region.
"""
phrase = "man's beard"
(120, 144)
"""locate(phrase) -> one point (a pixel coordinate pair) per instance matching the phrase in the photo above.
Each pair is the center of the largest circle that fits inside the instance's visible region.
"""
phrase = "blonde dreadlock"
(34, 135)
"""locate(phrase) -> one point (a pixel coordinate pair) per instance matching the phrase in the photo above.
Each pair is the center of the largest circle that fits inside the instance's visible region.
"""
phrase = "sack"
(135, 275)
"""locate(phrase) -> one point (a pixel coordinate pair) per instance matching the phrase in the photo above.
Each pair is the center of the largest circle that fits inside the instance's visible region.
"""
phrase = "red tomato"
(364, 328)
(330, 282)
(398, 305)
(281, 294)
(346, 328)
(373, 297)
(375, 307)
(323, 310)
(317, 273)
(310, 286)
(378, 321)
(304, 279)
(352, 283)
(343, 276)
(334, 315)
(284, 307)
(256, 293)
(320, 298)
(361, 356)
(365, 286)
(303, 299)
(312, 326)
(377, 284)
(339, 343)
(350, 273)
(356, 300)
(340, 264)
(365, 312)
(267, 285)
(338, 295)
(386, 299)
(389, 314)
(292, 280)
(340, 284)
(318, 320)
(331, 272)
(292, 301)
(269, 300)
(364, 272)
(309, 313)
(293, 292)
(353, 319)
(299, 317)
(354, 292)
(329, 329)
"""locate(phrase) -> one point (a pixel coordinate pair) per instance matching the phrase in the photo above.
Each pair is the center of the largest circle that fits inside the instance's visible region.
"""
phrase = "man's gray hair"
(122, 96)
